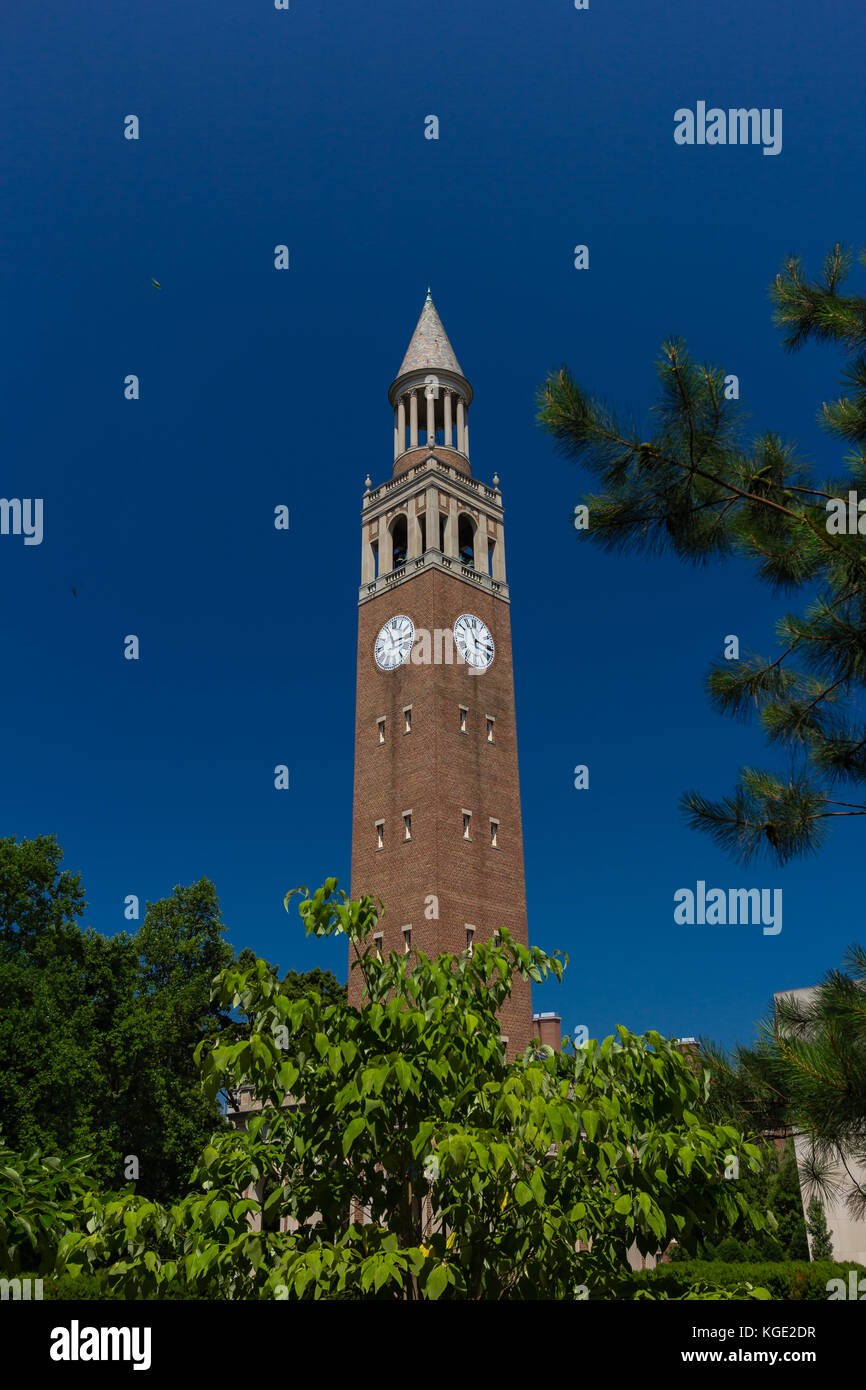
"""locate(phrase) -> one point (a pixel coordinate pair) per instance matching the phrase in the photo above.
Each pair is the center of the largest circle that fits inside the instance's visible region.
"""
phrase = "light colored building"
(848, 1235)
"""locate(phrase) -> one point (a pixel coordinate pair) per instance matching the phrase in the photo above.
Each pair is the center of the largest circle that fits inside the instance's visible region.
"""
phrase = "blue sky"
(259, 387)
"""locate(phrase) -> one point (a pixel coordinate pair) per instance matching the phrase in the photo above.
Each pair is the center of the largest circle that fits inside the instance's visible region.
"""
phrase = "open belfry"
(436, 830)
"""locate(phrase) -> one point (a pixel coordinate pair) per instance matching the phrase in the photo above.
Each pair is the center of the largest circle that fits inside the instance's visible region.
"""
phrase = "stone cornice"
(398, 490)
(416, 380)
(434, 559)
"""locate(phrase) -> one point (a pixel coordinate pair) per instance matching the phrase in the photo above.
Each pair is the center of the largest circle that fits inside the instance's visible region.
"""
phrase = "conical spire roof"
(429, 347)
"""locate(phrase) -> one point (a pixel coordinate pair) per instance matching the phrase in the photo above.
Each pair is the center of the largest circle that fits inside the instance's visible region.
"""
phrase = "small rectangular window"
(470, 932)
(407, 825)
(494, 833)
(497, 937)
(490, 723)
(380, 834)
(407, 937)
(380, 725)
(464, 710)
(467, 825)
(378, 938)
(407, 717)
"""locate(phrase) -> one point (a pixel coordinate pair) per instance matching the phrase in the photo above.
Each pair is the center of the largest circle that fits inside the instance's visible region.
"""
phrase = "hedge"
(787, 1279)
(97, 1287)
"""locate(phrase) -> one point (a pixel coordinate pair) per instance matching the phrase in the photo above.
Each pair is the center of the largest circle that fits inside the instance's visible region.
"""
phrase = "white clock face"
(474, 642)
(394, 642)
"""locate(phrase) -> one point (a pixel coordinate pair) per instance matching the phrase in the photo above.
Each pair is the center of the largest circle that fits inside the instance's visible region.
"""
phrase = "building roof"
(429, 346)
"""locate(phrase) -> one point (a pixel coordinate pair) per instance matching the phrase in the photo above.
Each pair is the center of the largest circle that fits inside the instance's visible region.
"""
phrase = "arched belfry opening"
(466, 539)
(399, 540)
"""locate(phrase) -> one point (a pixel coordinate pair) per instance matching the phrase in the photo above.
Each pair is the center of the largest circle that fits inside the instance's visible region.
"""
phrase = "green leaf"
(437, 1281)
(590, 1120)
(458, 1152)
(403, 1073)
(536, 1182)
(421, 1142)
(353, 1129)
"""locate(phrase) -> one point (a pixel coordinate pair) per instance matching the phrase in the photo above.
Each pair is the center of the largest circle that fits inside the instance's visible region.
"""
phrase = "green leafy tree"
(162, 1115)
(321, 982)
(36, 895)
(397, 1154)
(40, 1201)
(690, 484)
(97, 1033)
(819, 1235)
(61, 992)
(785, 1201)
(298, 982)
(774, 1188)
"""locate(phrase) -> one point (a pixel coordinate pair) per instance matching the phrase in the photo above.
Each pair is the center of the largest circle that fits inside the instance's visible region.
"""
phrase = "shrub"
(791, 1279)
(96, 1286)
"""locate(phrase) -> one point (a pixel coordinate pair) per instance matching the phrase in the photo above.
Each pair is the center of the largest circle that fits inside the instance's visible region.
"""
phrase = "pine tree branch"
(824, 693)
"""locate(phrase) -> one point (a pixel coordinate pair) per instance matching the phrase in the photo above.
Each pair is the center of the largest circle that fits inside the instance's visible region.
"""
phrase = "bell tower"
(436, 830)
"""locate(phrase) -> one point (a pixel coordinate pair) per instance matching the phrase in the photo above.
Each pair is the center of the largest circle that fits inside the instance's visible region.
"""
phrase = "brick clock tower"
(436, 830)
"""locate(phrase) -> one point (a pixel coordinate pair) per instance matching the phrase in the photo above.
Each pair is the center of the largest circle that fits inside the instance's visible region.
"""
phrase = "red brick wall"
(407, 461)
(435, 771)
(549, 1030)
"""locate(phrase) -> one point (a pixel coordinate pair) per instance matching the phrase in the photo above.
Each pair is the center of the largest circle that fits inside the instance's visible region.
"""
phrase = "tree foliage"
(819, 1234)
(775, 1188)
(396, 1152)
(807, 1074)
(41, 1199)
(97, 1033)
(692, 485)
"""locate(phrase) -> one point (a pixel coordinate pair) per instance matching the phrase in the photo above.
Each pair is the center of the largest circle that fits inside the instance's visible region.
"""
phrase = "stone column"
(499, 553)
(448, 436)
(386, 547)
(466, 434)
(451, 547)
(413, 547)
(461, 416)
(431, 419)
(397, 450)
(432, 518)
(401, 423)
(368, 561)
(479, 545)
(413, 419)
